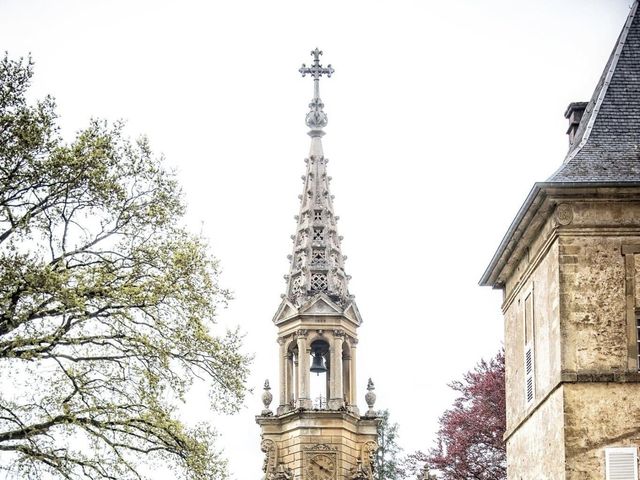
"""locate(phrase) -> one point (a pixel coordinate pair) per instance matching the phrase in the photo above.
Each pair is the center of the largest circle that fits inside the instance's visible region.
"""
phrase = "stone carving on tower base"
(319, 444)
(273, 468)
(282, 473)
(365, 466)
(359, 473)
(270, 450)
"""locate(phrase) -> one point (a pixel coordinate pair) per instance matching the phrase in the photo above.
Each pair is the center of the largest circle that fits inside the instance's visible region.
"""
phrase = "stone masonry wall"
(596, 332)
(543, 284)
(593, 303)
(293, 448)
(598, 415)
(536, 450)
(587, 385)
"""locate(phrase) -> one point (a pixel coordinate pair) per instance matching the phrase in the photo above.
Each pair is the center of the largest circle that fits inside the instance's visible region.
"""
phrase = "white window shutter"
(621, 463)
(529, 377)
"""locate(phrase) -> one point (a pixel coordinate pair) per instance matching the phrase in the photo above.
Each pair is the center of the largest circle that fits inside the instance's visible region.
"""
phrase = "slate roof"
(607, 146)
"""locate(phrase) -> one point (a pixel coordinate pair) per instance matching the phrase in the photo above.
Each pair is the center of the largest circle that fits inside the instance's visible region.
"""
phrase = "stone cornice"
(312, 415)
(540, 255)
(530, 216)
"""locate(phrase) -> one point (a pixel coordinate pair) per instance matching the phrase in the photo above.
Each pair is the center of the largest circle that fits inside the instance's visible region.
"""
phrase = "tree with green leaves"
(107, 305)
(388, 463)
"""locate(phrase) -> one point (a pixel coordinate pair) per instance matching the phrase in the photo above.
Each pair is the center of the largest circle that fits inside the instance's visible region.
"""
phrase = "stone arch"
(319, 335)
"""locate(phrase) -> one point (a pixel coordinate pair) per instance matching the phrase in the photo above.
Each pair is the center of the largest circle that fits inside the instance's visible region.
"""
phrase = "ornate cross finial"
(316, 71)
(316, 118)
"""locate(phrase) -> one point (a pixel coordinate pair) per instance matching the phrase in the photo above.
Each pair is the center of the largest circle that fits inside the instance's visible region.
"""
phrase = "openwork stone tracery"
(317, 263)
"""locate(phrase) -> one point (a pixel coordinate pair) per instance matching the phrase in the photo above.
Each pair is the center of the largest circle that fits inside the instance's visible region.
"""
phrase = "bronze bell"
(318, 366)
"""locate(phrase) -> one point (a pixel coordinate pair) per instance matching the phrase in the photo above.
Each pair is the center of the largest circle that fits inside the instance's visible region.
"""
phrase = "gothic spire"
(317, 263)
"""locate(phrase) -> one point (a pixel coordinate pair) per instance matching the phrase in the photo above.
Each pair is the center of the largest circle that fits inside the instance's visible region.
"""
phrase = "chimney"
(574, 113)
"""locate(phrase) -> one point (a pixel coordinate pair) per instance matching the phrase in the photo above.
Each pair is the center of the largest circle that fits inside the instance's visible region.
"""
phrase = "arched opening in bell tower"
(290, 383)
(320, 373)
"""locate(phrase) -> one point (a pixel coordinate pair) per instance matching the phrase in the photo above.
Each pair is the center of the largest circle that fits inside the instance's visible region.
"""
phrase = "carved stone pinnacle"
(370, 398)
(267, 398)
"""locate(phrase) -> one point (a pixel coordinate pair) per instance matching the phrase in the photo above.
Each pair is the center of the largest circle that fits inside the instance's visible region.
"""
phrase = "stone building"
(569, 268)
(323, 437)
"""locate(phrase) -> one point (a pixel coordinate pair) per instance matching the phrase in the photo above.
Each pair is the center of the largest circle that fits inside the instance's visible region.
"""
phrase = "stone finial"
(370, 398)
(316, 119)
(267, 398)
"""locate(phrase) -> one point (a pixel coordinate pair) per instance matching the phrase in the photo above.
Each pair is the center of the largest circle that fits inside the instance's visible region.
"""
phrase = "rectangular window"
(529, 382)
(528, 319)
(621, 463)
(529, 357)
(638, 337)
(632, 291)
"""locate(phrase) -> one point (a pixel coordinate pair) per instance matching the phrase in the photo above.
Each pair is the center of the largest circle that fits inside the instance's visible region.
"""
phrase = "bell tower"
(317, 432)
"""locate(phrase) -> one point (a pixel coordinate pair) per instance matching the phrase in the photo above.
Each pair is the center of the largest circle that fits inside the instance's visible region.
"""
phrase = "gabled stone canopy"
(319, 305)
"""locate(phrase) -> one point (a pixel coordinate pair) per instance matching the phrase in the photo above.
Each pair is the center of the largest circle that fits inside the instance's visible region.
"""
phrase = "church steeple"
(316, 431)
(317, 263)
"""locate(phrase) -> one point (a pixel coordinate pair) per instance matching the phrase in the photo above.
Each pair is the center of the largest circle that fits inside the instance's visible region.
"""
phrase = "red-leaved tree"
(469, 445)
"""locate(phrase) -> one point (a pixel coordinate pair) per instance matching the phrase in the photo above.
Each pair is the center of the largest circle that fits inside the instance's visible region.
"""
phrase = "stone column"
(294, 383)
(346, 375)
(283, 372)
(352, 378)
(629, 252)
(304, 400)
(290, 377)
(328, 383)
(337, 395)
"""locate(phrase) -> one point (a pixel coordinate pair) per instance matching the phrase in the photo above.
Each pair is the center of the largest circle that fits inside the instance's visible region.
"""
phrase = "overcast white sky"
(442, 115)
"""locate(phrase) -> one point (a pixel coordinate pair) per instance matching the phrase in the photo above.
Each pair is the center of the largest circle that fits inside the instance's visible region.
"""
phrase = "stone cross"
(316, 71)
